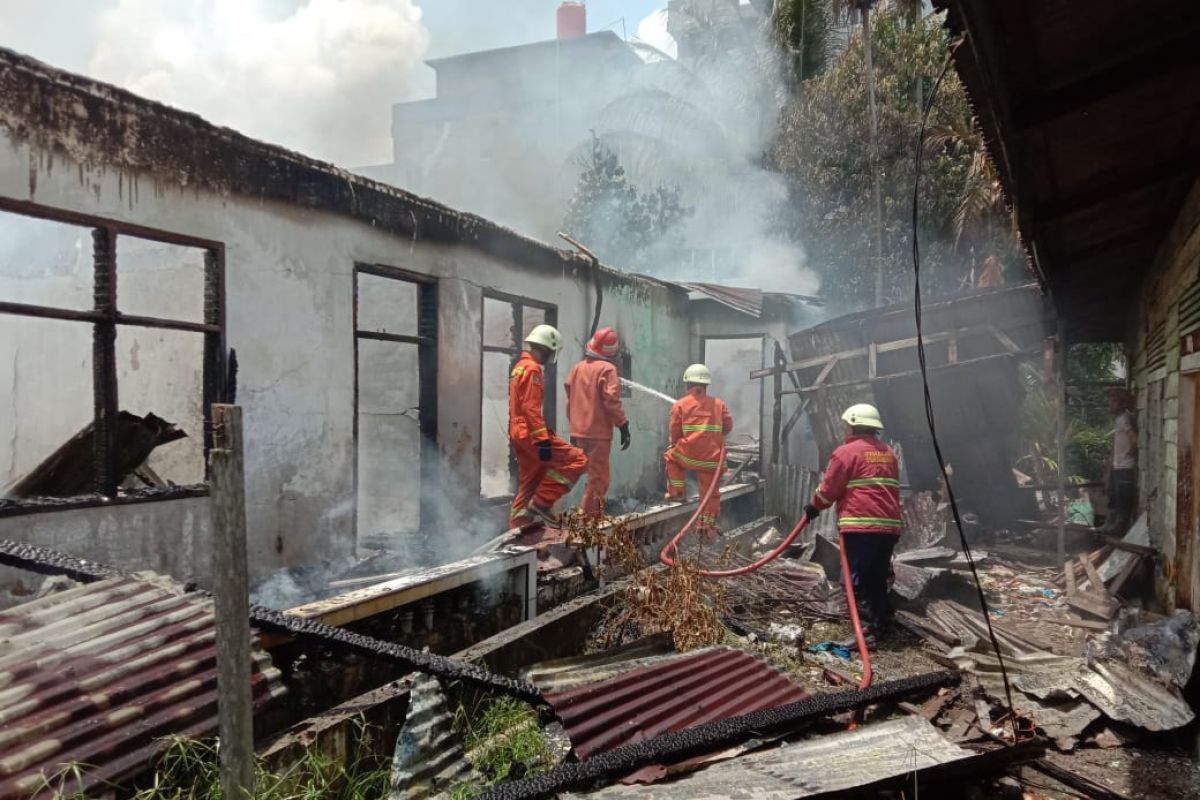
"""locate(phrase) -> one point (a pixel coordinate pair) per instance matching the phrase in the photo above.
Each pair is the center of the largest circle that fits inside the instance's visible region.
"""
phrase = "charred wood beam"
(70, 470)
(103, 477)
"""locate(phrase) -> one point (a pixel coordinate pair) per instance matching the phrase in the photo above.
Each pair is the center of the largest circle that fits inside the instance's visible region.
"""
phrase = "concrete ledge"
(422, 583)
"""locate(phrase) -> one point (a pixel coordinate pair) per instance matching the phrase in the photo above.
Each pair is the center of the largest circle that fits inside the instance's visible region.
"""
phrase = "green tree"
(823, 148)
(623, 226)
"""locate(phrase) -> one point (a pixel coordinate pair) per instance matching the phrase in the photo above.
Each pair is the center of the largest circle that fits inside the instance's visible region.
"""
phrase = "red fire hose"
(670, 547)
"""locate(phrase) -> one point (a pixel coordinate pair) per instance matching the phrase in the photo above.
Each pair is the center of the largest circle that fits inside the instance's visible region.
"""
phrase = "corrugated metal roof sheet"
(428, 757)
(95, 676)
(831, 763)
(670, 696)
(747, 301)
(567, 673)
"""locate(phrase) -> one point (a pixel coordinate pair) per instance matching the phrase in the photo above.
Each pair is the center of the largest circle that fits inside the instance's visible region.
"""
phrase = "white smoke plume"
(318, 76)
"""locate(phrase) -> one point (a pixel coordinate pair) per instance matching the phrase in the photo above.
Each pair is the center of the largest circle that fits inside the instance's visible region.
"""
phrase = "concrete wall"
(1176, 268)
(289, 307)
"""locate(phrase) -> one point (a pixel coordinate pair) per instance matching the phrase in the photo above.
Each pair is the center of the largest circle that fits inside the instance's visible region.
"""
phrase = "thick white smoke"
(318, 76)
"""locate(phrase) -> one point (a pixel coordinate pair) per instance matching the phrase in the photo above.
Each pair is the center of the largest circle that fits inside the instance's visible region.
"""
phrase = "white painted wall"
(289, 301)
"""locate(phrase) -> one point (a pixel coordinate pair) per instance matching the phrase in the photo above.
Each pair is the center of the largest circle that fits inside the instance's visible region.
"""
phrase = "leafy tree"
(822, 147)
(621, 225)
(804, 33)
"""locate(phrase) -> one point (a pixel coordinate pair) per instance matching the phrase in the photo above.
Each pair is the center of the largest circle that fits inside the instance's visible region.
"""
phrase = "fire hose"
(672, 547)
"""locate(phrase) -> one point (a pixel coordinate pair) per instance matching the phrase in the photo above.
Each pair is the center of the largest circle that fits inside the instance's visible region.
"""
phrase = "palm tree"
(981, 198)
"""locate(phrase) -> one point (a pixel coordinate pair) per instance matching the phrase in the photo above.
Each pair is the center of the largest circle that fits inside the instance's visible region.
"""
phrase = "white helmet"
(863, 415)
(697, 373)
(547, 336)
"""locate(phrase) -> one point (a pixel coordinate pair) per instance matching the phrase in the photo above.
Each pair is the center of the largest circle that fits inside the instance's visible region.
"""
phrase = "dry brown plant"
(677, 599)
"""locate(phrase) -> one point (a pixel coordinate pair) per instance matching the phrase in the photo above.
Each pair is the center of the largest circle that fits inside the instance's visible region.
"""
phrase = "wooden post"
(1060, 376)
(231, 599)
(777, 412)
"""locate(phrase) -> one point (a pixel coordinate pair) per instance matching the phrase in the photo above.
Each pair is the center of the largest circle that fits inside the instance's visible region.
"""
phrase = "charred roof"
(100, 125)
(1092, 119)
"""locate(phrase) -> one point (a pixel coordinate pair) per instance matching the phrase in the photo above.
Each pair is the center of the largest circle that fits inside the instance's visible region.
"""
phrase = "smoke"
(317, 76)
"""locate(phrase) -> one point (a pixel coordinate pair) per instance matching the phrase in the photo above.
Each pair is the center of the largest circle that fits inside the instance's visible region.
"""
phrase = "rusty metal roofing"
(670, 696)
(567, 673)
(747, 301)
(833, 763)
(96, 676)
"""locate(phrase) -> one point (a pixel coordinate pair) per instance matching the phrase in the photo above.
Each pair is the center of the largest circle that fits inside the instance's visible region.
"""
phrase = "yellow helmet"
(547, 336)
(697, 373)
(863, 415)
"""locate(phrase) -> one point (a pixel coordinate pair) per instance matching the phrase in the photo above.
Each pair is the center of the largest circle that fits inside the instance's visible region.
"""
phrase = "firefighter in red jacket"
(863, 478)
(593, 410)
(547, 466)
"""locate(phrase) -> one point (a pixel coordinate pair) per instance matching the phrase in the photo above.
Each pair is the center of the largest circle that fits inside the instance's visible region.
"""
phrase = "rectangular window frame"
(105, 319)
(426, 341)
(513, 351)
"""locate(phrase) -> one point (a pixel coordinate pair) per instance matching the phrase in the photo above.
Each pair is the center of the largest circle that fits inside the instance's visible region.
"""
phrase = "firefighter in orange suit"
(547, 466)
(699, 425)
(863, 478)
(593, 410)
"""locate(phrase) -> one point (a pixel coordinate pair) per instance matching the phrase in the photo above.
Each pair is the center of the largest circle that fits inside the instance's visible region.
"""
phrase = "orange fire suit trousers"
(543, 482)
(596, 487)
(677, 470)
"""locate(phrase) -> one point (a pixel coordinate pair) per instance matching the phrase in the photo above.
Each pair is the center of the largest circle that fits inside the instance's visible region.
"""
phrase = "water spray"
(666, 398)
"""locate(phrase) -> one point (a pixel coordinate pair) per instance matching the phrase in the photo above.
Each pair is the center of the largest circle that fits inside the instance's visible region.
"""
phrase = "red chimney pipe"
(572, 19)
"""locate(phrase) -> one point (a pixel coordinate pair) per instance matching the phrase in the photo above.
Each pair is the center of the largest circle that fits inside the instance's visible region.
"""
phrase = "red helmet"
(604, 343)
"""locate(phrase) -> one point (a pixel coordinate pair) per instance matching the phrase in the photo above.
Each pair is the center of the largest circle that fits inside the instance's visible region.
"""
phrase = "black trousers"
(870, 559)
(1122, 498)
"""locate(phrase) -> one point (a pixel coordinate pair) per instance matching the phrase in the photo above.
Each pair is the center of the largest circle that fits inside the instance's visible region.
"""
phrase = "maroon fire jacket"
(863, 478)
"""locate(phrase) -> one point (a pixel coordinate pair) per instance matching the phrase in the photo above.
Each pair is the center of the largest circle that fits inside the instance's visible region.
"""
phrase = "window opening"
(395, 409)
(112, 336)
(507, 320)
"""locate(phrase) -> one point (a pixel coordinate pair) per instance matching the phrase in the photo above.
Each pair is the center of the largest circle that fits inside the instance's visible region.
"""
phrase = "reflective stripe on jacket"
(863, 478)
(594, 399)
(525, 394)
(699, 423)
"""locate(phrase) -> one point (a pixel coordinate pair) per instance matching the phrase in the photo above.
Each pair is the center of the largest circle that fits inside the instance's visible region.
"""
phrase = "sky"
(318, 76)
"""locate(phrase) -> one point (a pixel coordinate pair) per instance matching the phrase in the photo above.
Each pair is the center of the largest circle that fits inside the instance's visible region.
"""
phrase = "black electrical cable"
(929, 416)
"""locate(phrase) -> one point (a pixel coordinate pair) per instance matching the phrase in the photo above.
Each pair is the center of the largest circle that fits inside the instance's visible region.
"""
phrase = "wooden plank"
(891, 346)
(1123, 575)
(872, 360)
(231, 602)
(1069, 574)
(934, 705)
(1090, 624)
(1096, 586)
(1004, 339)
(828, 368)
(1097, 606)
(952, 350)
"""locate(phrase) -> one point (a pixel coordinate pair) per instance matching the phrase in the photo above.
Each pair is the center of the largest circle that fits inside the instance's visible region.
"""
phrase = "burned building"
(154, 264)
(1091, 123)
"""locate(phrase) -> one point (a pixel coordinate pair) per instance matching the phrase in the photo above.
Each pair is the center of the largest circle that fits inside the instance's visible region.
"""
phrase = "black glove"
(544, 449)
(625, 438)
(811, 512)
